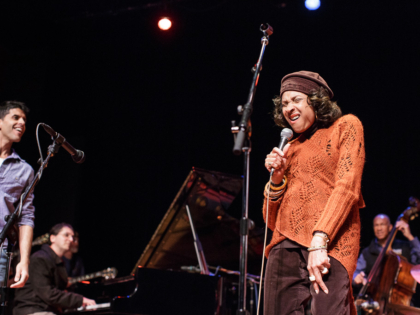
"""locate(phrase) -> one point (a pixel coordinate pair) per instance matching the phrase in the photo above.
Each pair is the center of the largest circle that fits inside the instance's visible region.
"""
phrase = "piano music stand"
(204, 270)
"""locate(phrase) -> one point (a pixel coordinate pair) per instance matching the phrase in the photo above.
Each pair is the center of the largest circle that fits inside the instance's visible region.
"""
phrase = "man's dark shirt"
(44, 290)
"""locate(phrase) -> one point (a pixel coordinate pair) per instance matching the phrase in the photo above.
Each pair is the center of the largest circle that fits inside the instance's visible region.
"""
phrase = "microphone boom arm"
(77, 155)
(245, 123)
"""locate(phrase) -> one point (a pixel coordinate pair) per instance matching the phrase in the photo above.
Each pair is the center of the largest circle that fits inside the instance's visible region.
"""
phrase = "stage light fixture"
(312, 4)
(165, 24)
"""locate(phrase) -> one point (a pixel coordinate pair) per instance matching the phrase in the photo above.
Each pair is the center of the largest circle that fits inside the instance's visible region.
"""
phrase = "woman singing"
(313, 202)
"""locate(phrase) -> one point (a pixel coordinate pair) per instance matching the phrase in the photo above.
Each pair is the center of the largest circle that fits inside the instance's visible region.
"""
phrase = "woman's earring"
(316, 116)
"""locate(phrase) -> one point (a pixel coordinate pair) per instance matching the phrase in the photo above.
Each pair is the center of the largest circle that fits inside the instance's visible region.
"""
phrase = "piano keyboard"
(90, 307)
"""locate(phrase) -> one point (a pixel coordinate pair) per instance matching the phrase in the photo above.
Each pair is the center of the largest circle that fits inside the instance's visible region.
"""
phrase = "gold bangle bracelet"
(272, 196)
(279, 187)
(269, 187)
(311, 249)
(323, 236)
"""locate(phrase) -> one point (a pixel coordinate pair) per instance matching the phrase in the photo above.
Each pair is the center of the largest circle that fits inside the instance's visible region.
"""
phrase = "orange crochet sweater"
(323, 192)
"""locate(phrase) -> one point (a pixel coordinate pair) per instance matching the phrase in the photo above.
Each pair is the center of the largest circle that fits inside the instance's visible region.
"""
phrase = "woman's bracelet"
(276, 187)
(274, 191)
(273, 195)
(314, 248)
(320, 249)
(279, 184)
(323, 235)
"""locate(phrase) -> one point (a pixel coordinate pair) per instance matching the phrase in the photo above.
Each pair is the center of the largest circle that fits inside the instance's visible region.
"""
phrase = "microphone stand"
(10, 232)
(242, 136)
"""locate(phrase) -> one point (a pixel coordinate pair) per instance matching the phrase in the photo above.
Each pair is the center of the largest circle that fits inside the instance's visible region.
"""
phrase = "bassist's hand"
(360, 278)
(405, 229)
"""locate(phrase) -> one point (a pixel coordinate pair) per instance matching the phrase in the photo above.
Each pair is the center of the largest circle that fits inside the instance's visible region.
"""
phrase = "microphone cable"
(40, 161)
(285, 136)
(265, 245)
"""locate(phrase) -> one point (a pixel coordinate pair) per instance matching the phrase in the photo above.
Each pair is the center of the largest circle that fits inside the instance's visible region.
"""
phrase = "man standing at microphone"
(15, 176)
(313, 201)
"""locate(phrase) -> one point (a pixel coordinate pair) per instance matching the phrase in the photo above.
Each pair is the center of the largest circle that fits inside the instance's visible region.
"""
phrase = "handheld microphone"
(77, 155)
(285, 135)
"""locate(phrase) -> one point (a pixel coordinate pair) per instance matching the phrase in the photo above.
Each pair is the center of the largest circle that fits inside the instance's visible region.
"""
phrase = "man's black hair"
(58, 227)
(6, 106)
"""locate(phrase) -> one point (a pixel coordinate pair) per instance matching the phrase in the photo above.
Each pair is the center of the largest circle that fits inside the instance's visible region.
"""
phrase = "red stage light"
(165, 24)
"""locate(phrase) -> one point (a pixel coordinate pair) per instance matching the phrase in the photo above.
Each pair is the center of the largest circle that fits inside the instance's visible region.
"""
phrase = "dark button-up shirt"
(45, 289)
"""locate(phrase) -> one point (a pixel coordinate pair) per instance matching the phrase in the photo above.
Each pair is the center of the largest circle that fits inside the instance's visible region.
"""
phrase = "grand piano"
(158, 284)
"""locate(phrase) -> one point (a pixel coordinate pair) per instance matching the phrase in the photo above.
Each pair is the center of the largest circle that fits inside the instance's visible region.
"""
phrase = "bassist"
(382, 226)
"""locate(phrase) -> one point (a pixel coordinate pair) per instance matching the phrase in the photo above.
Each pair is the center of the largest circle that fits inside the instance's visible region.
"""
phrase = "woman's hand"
(276, 160)
(318, 264)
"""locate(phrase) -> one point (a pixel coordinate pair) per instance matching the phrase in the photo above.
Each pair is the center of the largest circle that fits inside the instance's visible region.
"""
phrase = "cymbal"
(415, 272)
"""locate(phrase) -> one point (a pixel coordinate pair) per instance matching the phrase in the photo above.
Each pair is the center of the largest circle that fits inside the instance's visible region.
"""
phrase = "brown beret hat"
(303, 81)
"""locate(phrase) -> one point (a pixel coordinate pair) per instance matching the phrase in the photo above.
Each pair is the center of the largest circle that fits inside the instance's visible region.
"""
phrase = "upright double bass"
(389, 281)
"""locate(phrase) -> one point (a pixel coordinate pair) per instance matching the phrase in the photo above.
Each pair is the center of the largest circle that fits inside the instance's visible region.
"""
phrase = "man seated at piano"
(382, 226)
(44, 293)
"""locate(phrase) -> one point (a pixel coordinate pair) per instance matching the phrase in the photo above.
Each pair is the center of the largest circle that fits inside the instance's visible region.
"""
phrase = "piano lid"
(208, 194)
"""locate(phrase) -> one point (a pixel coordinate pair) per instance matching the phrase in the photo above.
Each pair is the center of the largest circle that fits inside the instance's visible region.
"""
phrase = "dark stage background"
(146, 105)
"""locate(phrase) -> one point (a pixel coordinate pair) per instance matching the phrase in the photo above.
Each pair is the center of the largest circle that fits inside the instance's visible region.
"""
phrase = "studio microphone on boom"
(77, 155)
(285, 135)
